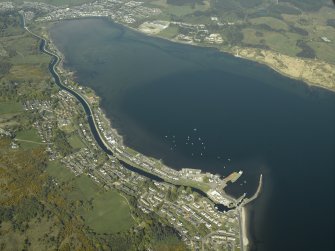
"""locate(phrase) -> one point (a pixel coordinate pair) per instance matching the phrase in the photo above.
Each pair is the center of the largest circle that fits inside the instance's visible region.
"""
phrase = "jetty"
(258, 191)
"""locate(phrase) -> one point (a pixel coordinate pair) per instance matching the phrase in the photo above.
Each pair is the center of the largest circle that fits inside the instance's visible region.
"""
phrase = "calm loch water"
(195, 107)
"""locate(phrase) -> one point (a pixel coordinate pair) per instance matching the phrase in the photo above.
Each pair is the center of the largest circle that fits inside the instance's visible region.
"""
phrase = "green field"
(23, 50)
(170, 32)
(30, 135)
(56, 170)
(29, 139)
(324, 51)
(199, 185)
(180, 10)
(282, 43)
(76, 142)
(274, 23)
(10, 107)
(108, 212)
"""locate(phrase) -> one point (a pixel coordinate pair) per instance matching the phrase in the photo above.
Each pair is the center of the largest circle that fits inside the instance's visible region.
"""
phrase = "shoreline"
(99, 111)
(120, 137)
(242, 211)
(71, 75)
(244, 226)
(235, 53)
(304, 81)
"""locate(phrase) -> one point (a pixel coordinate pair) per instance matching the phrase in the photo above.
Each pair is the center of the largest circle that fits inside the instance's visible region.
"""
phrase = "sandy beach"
(245, 241)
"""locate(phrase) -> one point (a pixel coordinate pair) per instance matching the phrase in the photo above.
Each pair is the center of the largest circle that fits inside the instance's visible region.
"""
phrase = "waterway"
(197, 107)
(53, 63)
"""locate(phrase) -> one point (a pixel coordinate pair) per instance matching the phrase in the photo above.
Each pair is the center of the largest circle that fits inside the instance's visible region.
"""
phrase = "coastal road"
(92, 123)
(55, 60)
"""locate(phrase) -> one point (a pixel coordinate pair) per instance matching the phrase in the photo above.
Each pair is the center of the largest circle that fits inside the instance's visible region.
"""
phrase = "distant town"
(131, 13)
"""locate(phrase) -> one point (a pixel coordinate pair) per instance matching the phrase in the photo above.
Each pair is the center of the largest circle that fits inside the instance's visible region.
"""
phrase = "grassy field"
(26, 72)
(282, 43)
(8, 121)
(284, 31)
(169, 32)
(28, 139)
(68, 128)
(324, 51)
(58, 171)
(315, 24)
(195, 19)
(76, 142)
(274, 23)
(28, 62)
(180, 10)
(26, 49)
(200, 185)
(10, 107)
(108, 212)
(30, 135)
(25, 64)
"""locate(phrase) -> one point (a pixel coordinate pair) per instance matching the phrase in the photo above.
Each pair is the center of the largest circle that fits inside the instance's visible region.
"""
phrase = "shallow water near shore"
(197, 107)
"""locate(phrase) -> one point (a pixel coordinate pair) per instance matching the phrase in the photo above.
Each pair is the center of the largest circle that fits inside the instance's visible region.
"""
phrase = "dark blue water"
(196, 107)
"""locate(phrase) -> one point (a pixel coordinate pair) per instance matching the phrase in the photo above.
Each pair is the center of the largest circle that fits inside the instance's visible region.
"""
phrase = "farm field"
(10, 107)
(108, 211)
